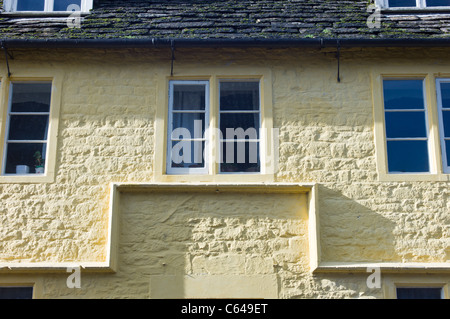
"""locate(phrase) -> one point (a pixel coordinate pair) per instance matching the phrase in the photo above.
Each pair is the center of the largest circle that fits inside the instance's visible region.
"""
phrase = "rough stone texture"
(230, 19)
(106, 134)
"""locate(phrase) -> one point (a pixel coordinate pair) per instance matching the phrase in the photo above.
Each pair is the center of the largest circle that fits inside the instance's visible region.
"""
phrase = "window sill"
(219, 178)
(407, 177)
(26, 179)
(416, 10)
(385, 267)
(41, 14)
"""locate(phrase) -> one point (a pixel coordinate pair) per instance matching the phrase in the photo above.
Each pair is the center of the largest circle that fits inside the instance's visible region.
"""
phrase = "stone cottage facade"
(224, 149)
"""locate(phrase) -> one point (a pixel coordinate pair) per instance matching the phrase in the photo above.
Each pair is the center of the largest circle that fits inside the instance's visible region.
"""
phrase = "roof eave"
(253, 42)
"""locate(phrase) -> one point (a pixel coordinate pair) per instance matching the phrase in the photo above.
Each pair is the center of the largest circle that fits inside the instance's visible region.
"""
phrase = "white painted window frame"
(11, 6)
(420, 4)
(445, 160)
(258, 140)
(185, 170)
(427, 127)
(8, 118)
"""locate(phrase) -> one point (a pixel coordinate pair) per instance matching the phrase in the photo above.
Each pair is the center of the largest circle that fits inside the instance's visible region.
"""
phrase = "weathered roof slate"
(227, 19)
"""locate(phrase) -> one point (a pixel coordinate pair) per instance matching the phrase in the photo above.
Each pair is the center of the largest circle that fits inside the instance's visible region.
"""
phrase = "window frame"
(427, 124)
(440, 109)
(11, 6)
(269, 141)
(8, 123)
(184, 170)
(420, 5)
(429, 74)
(390, 283)
(31, 75)
(223, 138)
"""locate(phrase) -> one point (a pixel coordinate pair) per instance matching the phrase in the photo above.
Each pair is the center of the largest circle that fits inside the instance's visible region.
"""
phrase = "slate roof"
(228, 19)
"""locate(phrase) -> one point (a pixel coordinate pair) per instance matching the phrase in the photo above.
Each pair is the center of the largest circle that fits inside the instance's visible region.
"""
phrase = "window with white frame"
(238, 118)
(443, 103)
(188, 123)
(47, 5)
(27, 128)
(413, 3)
(406, 127)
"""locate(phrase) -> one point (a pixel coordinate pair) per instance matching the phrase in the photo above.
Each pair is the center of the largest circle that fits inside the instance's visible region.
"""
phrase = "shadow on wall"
(352, 232)
(238, 245)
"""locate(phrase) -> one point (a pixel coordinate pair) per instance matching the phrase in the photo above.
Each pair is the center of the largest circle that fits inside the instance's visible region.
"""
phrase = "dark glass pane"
(239, 124)
(191, 125)
(31, 97)
(63, 5)
(403, 94)
(30, 5)
(188, 154)
(22, 154)
(418, 293)
(239, 96)
(189, 97)
(447, 151)
(402, 3)
(446, 122)
(28, 127)
(438, 3)
(16, 292)
(240, 157)
(445, 95)
(405, 124)
(407, 156)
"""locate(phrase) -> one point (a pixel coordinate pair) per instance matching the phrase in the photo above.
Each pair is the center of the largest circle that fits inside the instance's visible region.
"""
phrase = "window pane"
(28, 127)
(189, 97)
(31, 97)
(247, 122)
(418, 293)
(63, 5)
(16, 292)
(190, 125)
(407, 156)
(402, 3)
(22, 154)
(445, 95)
(405, 124)
(30, 5)
(239, 96)
(188, 154)
(240, 157)
(403, 94)
(446, 123)
(438, 3)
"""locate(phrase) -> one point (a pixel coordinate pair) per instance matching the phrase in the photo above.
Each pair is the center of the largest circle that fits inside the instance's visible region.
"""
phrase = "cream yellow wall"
(176, 244)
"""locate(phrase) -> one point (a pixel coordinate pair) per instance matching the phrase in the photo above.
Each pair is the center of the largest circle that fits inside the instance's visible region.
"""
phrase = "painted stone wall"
(106, 134)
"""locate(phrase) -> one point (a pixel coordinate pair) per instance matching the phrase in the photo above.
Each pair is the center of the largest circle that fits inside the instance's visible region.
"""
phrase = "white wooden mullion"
(48, 6)
(446, 161)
